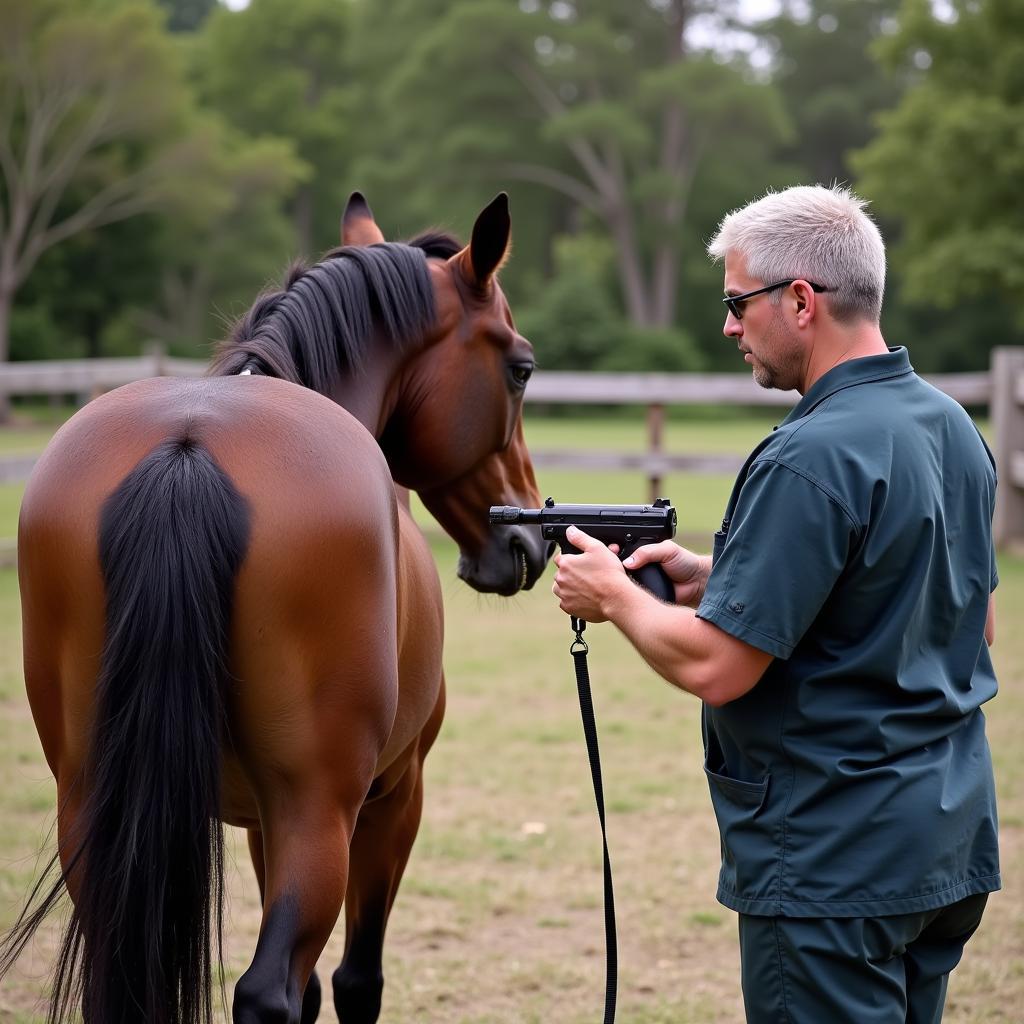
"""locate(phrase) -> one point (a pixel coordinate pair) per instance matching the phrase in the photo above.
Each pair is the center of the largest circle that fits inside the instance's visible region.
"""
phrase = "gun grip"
(653, 578)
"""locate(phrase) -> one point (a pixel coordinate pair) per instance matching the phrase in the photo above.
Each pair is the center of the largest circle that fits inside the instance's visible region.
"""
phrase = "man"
(838, 637)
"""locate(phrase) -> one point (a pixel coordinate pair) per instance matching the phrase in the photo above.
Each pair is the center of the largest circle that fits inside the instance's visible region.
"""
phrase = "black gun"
(629, 526)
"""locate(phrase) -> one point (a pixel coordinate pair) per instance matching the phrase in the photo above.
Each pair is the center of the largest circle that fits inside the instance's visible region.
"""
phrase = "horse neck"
(372, 393)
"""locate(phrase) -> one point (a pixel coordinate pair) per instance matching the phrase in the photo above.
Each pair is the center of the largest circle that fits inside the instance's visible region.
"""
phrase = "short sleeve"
(788, 540)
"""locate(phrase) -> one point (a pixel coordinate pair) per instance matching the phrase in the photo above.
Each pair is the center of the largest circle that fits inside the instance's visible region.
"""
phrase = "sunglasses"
(734, 303)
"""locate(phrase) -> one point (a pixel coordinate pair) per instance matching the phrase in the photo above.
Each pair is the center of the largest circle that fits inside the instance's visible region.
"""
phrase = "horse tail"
(147, 867)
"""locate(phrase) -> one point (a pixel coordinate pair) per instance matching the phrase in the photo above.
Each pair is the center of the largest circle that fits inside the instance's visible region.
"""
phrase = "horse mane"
(438, 244)
(320, 324)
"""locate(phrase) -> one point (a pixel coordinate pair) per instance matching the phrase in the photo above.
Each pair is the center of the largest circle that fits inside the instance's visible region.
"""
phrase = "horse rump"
(145, 857)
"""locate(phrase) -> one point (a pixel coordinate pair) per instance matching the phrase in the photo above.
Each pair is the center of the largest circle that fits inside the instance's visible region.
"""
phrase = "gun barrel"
(510, 514)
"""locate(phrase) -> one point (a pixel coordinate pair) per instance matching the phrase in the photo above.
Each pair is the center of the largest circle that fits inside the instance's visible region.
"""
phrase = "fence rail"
(1001, 389)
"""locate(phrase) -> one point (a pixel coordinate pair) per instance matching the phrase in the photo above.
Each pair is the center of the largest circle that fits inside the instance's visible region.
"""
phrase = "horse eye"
(521, 373)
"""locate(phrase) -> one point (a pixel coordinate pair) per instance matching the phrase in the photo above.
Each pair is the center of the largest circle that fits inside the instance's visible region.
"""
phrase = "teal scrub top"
(854, 779)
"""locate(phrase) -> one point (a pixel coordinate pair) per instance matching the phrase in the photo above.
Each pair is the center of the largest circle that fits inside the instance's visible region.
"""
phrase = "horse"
(229, 616)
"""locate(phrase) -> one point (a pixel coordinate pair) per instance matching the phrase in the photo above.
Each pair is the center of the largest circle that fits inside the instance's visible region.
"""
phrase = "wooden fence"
(1001, 390)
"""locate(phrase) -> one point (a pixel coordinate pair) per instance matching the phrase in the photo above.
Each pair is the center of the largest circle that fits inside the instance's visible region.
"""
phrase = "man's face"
(764, 335)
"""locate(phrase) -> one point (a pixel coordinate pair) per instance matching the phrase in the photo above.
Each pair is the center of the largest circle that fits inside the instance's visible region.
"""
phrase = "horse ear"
(357, 224)
(489, 243)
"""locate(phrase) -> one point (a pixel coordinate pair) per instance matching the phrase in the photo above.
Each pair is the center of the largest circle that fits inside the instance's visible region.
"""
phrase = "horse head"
(454, 431)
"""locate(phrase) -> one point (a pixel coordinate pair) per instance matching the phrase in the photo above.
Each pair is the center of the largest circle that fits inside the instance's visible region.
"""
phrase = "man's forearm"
(690, 653)
(666, 636)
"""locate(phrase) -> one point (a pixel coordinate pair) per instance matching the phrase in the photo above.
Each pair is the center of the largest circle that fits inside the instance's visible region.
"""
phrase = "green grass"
(30, 441)
(10, 502)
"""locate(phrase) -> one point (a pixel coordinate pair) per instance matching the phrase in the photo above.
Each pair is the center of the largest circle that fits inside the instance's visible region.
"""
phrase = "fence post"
(655, 432)
(156, 351)
(1007, 408)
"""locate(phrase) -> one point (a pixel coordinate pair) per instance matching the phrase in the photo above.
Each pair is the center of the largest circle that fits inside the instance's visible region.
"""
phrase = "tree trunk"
(6, 305)
(666, 270)
(93, 329)
(674, 163)
(630, 265)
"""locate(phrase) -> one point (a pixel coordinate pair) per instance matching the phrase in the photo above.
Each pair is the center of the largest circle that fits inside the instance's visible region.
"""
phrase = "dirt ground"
(499, 918)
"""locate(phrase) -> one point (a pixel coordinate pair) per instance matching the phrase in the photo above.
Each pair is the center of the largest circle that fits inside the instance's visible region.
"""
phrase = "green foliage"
(35, 335)
(232, 242)
(574, 325)
(95, 128)
(281, 68)
(187, 15)
(621, 144)
(831, 85)
(654, 350)
(572, 322)
(949, 159)
(87, 285)
(599, 103)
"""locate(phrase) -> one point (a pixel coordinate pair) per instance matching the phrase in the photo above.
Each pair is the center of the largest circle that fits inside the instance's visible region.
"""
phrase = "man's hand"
(689, 572)
(587, 582)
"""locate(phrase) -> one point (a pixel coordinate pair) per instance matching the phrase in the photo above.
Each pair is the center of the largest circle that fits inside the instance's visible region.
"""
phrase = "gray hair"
(817, 233)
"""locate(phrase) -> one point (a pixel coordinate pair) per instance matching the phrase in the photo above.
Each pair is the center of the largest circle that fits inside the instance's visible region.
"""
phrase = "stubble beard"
(778, 367)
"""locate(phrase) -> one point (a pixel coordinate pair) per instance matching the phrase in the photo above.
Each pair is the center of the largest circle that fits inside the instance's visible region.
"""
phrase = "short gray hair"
(817, 233)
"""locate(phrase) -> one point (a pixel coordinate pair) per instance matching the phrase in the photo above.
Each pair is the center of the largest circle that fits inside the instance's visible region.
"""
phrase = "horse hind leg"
(312, 997)
(385, 832)
(305, 851)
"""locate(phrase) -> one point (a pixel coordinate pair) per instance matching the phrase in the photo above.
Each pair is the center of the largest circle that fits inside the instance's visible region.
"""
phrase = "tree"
(187, 15)
(231, 239)
(601, 102)
(949, 159)
(92, 108)
(83, 289)
(281, 68)
(831, 85)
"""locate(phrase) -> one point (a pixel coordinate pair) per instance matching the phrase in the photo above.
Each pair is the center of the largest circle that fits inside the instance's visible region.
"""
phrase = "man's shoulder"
(862, 434)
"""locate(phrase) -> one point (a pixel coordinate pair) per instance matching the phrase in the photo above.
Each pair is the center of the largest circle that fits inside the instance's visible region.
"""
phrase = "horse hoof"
(311, 1000)
(356, 998)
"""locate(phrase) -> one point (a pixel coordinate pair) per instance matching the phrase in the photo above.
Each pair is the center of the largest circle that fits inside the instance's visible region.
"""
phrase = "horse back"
(313, 649)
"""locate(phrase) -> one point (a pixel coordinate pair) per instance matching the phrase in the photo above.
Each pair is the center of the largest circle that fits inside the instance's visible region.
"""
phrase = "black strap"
(578, 650)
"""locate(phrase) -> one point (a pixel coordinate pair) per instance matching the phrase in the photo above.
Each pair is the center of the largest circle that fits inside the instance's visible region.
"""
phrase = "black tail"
(148, 869)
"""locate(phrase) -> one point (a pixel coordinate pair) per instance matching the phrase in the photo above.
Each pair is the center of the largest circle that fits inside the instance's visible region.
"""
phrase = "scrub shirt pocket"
(737, 796)
(749, 865)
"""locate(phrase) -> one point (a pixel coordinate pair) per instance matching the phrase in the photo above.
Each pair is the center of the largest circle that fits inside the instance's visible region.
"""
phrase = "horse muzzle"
(512, 560)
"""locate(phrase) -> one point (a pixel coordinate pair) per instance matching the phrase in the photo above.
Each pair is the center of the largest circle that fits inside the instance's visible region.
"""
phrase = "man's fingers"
(649, 553)
(578, 539)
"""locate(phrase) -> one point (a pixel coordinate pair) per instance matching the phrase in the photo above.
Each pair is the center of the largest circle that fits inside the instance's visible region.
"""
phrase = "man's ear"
(806, 300)
(357, 224)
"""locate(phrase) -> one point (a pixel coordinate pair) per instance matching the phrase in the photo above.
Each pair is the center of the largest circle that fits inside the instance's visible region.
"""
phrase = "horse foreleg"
(311, 999)
(305, 851)
(385, 832)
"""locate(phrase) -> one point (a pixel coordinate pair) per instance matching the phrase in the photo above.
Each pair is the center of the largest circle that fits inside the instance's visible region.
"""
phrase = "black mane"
(320, 324)
(437, 243)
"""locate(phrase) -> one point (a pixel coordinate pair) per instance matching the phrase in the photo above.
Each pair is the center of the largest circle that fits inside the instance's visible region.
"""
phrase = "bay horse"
(230, 616)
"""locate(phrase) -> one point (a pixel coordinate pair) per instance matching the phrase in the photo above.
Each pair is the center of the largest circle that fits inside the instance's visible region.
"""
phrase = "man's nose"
(732, 328)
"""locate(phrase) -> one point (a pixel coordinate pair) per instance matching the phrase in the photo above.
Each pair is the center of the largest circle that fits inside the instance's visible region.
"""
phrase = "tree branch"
(582, 150)
(557, 180)
(53, 181)
(120, 200)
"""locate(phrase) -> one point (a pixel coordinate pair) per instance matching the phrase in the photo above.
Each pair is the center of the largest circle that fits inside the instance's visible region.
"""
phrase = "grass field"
(499, 919)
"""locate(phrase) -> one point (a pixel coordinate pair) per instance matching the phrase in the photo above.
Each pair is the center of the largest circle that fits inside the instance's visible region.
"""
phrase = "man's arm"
(990, 621)
(690, 653)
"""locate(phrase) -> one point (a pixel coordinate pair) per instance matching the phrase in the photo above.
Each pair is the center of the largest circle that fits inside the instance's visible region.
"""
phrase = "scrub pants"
(854, 970)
